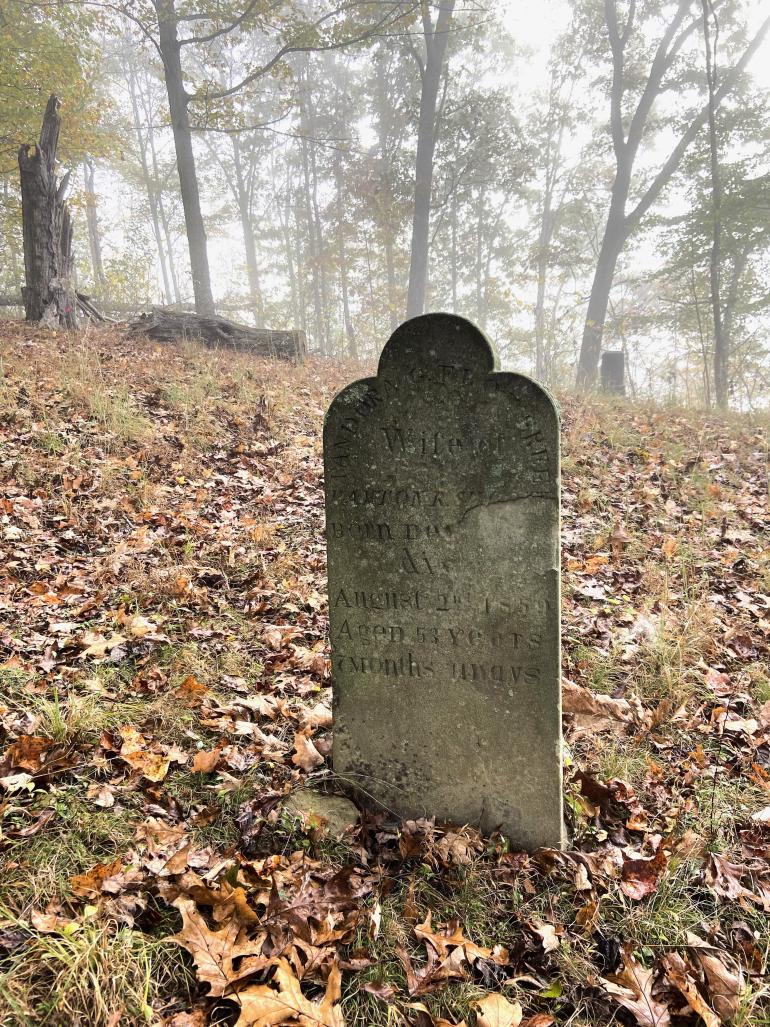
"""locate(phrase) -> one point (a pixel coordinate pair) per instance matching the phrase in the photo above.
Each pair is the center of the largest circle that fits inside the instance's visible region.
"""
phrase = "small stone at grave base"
(442, 529)
(333, 815)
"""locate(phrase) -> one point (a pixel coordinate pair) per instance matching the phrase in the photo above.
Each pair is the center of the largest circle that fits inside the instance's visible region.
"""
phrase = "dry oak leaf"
(452, 937)
(96, 645)
(205, 762)
(191, 689)
(593, 712)
(640, 876)
(678, 973)
(264, 1005)
(135, 753)
(548, 934)
(306, 756)
(725, 986)
(319, 716)
(214, 951)
(27, 752)
(89, 885)
(426, 1019)
(496, 1011)
(632, 989)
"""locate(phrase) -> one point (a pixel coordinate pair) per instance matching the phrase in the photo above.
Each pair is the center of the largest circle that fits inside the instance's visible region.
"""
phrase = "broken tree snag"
(48, 295)
(166, 325)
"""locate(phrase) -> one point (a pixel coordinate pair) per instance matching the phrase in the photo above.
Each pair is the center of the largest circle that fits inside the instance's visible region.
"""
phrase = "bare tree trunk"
(48, 295)
(431, 69)
(343, 263)
(11, 242)
(479, 252)
(384, 119)
(454, 250)
(284, 217)
(249, 243)
(150, 184)
(721, 338)
(158, 187)
(92, 219)
(312, 239)
(168, 41)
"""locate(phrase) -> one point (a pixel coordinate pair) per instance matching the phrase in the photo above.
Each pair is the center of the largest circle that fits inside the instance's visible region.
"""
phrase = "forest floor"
(165, 690)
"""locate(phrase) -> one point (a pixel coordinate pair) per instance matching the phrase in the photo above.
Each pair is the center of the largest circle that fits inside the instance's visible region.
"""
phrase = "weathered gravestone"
(442, 506)
(613, 372)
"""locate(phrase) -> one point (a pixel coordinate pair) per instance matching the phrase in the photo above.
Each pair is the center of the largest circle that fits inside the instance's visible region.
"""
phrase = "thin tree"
(721, 338)
(431, 66)
(626, 142)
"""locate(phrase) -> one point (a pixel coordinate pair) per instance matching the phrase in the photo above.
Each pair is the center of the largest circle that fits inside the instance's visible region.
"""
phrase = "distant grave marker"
(613, 372)
(442, 505)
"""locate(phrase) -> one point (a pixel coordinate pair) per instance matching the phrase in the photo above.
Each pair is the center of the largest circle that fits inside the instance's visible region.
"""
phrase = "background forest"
(595, 181)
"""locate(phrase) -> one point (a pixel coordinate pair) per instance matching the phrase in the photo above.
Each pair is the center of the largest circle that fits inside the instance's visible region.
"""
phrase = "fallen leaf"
(640, 876)
(725, 986)
(89, 885)
(281, 1002)
(548, 935)
(632, 988)
(205, 762)
(214, 952)
(495, 1010)
(27, 752)
(305, 755)
(678, 973)
(97, 645)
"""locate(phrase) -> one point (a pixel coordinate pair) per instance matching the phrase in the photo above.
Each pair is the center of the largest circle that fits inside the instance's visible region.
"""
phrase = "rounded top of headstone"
(438, 339)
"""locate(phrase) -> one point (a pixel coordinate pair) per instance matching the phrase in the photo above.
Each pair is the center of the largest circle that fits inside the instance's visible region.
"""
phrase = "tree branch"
(664, 175)
(290, 48)
(209, 37)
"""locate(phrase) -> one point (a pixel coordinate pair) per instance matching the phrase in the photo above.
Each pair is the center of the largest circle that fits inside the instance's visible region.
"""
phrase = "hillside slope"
(164, 688)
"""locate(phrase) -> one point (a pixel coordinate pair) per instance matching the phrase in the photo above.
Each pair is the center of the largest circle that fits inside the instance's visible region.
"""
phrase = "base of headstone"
(333, 815)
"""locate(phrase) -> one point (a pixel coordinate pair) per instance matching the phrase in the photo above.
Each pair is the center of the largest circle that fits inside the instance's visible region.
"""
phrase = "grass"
(38, 869)
(98, 976)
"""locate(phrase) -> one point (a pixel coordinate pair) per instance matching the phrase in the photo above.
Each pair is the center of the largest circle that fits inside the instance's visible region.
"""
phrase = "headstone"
(442, 507)
(613, 372)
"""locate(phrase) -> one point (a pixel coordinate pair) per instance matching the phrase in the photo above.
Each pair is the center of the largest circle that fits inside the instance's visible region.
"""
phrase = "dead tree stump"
(49, 296)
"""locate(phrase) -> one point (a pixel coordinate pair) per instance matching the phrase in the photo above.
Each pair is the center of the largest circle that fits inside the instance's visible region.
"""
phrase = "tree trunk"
(149, 184)
(436, 40)
(343, 262)
(168, 41)
(721, 338)
(48, 295)
(615, 235)
(92, 219)
(312, 239)
(454, 249)
(249, 243)
(386, 200)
